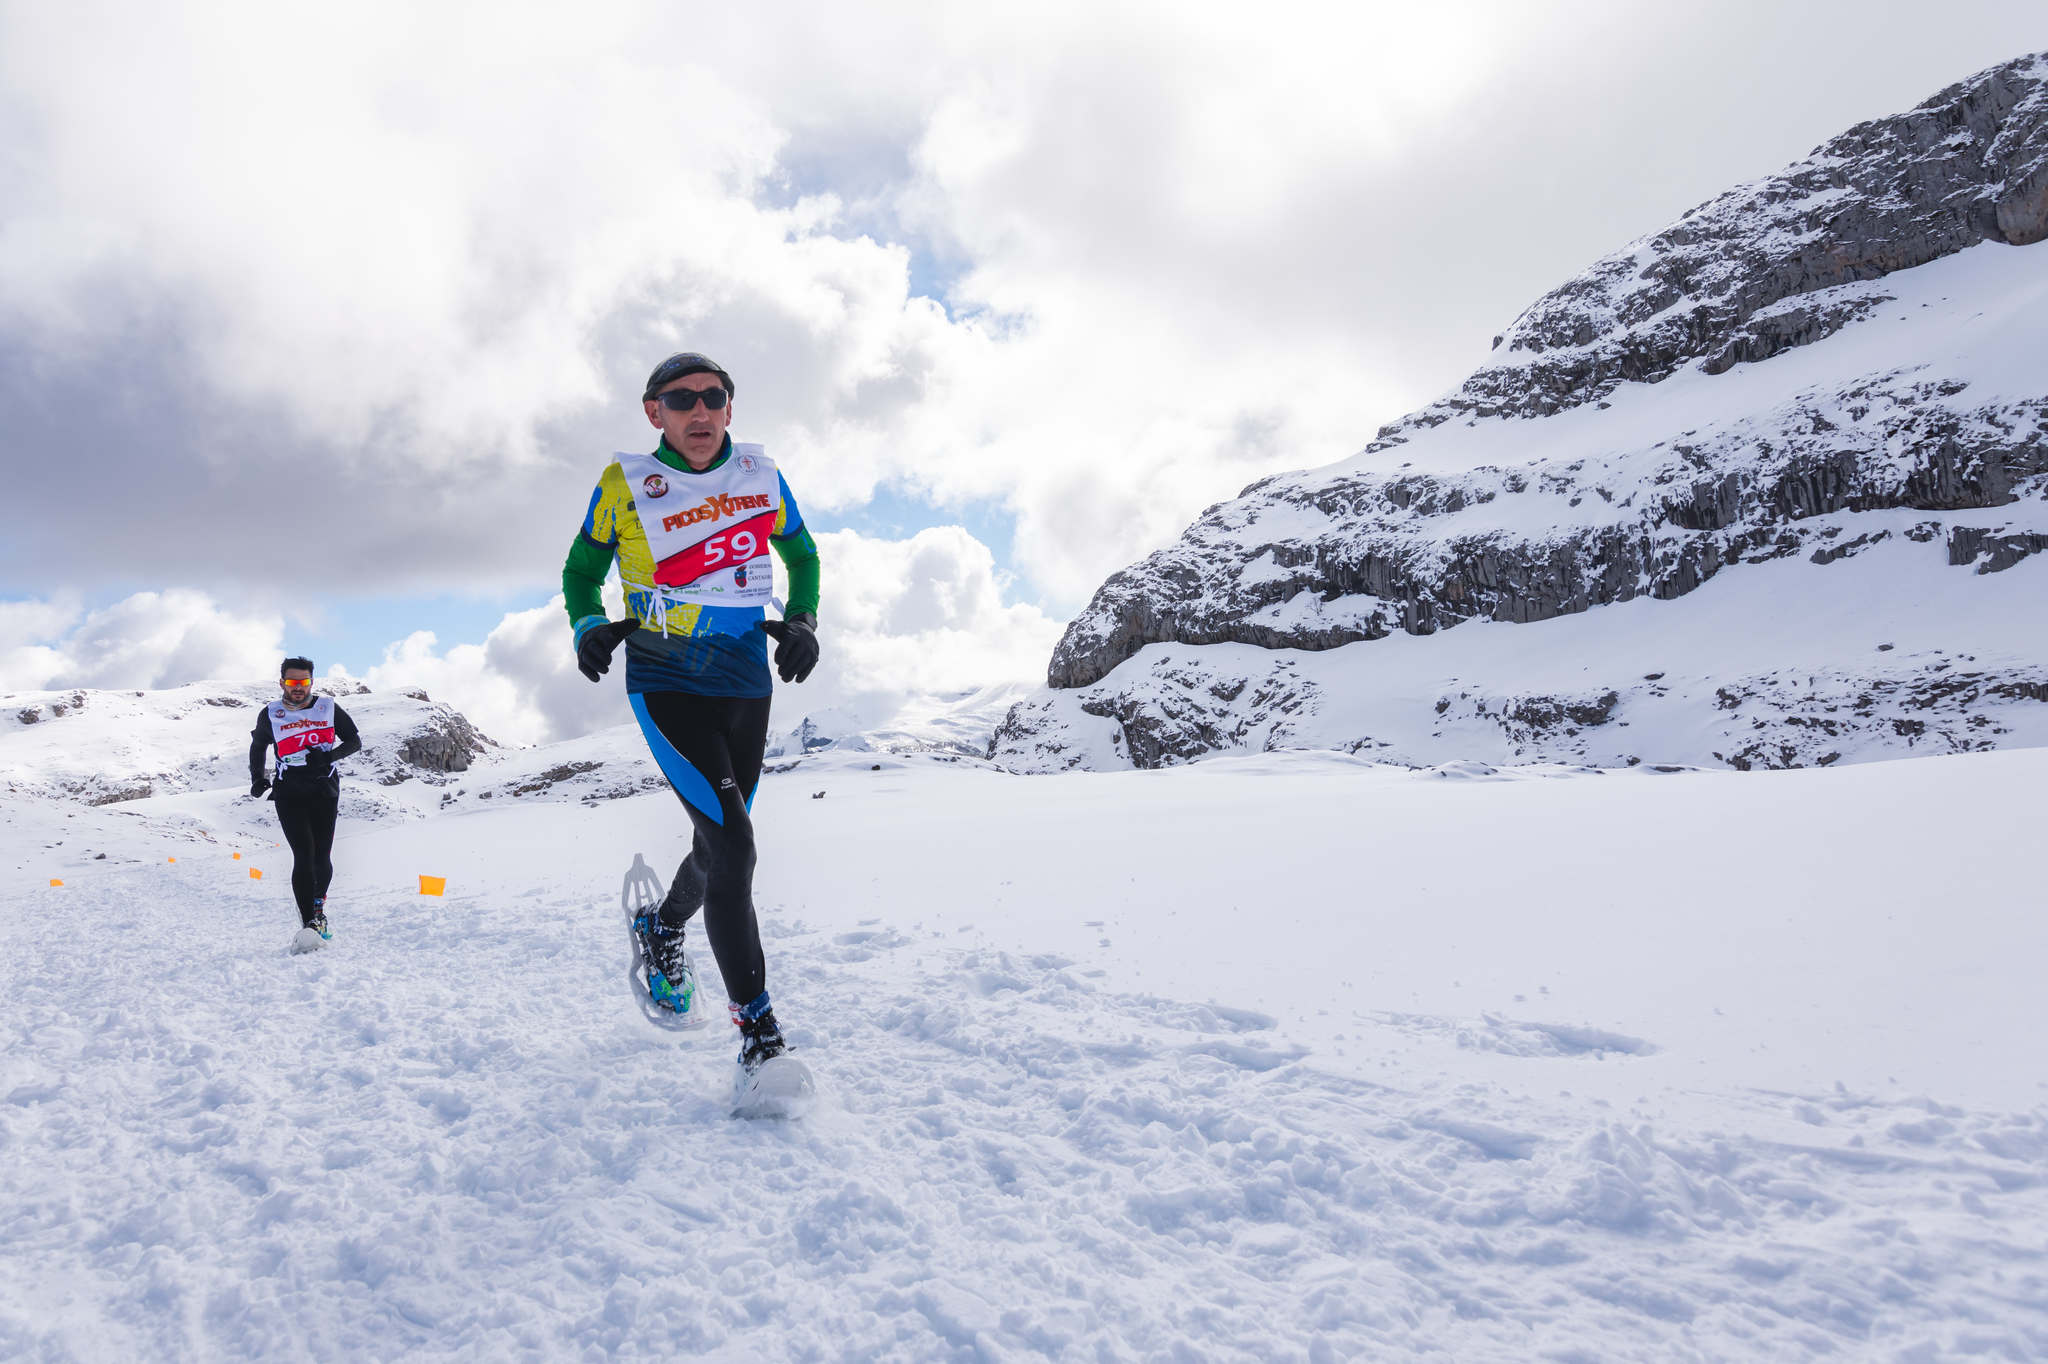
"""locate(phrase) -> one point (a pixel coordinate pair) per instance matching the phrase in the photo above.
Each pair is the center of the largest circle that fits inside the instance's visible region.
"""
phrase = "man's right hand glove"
(258, 787)
(796, 645)
(594, 645)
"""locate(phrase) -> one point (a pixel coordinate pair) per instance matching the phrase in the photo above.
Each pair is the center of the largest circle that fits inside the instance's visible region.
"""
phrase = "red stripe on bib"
(745, 542)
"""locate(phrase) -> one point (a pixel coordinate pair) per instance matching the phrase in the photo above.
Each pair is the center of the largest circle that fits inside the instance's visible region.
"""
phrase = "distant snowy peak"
(153, 750)
(1808, 366)
(951, 725)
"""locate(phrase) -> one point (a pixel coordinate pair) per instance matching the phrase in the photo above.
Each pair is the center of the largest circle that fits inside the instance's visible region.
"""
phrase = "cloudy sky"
(316, 328)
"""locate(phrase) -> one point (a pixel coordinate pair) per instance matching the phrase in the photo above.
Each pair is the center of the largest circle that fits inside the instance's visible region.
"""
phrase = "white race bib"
(296, 731)
(708, 532)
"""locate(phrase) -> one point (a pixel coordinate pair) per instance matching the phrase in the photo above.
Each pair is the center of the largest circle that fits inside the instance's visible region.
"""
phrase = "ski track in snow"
(449, 1136)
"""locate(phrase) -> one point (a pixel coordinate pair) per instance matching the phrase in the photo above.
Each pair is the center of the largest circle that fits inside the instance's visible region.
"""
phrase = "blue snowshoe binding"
(664, 981)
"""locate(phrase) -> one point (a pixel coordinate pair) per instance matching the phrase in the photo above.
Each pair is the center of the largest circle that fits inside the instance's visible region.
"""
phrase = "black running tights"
(307, 818)
(709, 748)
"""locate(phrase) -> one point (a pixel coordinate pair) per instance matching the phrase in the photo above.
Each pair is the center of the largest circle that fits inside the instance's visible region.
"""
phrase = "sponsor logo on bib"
(716, 508)
(654, 485)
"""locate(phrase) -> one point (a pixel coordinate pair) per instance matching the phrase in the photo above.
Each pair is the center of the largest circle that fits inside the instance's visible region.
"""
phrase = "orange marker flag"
(255, 873)
(433, 885)
(238, 857)
(170, 859)
(55, 882)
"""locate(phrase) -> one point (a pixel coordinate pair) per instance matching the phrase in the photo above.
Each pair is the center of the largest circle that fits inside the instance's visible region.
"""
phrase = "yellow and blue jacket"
(705, 650)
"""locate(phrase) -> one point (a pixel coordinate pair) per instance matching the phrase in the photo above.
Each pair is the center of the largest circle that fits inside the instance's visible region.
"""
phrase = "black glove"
(594, 650)
(258, 787)
(318, 763)
(796, 645)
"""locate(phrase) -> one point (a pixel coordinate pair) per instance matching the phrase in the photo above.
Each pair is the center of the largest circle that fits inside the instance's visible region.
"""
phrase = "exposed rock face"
(29, 715)
(1315, 561)
(447, 742)
(1689, 508)
(1990, 550)
(1182, 704)
(115, 795)
(1745, 276)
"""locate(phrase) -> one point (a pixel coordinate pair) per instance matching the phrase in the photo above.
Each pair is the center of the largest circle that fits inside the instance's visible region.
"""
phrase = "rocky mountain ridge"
(1811, 365)
(1755, 271)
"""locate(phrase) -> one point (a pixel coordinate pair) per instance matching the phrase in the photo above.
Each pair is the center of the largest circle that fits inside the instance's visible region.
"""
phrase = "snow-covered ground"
(1276, 1057)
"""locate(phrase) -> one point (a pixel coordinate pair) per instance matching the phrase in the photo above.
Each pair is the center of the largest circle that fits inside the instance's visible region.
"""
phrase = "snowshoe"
(664, 980)
(312, 937)
(767, 1081)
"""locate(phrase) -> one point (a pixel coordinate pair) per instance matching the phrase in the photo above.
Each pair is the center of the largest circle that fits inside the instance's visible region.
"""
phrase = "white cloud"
(150, 639)
(519, 686)
(26, 623)
(924, 615)
(900, 620)
(431, 249)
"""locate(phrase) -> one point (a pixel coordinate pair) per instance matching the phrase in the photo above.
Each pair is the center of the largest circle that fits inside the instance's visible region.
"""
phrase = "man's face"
(697, 432)
(298, 686)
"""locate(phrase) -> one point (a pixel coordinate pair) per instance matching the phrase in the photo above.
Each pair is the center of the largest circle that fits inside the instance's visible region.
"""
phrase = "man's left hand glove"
(318, 764)
(796, 645)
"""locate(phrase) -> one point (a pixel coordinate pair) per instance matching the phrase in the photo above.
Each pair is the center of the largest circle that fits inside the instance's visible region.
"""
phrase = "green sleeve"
(799, 554)
(583, 575)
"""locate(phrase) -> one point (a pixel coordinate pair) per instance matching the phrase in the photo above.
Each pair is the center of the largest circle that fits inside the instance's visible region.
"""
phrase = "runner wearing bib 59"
(692, 526)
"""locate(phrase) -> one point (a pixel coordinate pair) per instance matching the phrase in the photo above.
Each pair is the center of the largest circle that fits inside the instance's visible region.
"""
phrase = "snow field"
(1107, 1074)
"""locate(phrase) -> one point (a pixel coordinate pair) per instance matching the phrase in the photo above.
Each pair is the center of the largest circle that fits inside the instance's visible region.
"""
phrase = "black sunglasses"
(683, 399)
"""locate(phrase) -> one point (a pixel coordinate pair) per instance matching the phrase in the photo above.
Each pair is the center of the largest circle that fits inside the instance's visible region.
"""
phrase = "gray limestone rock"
(1991, 550)
(447, 742)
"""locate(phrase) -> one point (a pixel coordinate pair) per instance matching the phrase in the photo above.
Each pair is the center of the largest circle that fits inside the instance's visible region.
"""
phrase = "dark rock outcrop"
(447, 742)
(35, 714)
(1991, 550)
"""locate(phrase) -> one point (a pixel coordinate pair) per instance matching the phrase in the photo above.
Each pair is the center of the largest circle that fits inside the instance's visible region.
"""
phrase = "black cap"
(681, 363)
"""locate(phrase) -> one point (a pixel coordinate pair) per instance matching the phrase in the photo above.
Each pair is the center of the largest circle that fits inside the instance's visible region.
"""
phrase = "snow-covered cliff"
(1824, 384)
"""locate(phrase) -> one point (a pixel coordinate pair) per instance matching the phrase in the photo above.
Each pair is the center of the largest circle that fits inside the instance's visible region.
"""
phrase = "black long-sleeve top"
(261, 738)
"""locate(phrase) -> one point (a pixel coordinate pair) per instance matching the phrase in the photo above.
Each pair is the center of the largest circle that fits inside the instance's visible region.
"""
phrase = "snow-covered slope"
(953, 723)
(107, 747)
(1836, 360)
(1289, 1057)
